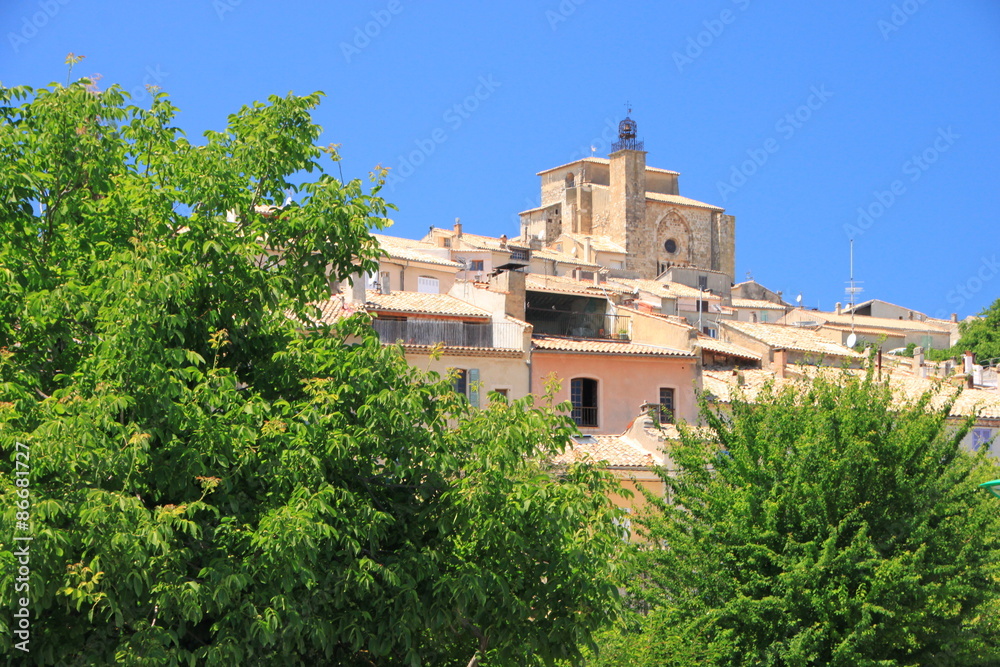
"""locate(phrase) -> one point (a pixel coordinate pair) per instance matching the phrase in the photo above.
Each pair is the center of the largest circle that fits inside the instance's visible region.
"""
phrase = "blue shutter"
(474, 387)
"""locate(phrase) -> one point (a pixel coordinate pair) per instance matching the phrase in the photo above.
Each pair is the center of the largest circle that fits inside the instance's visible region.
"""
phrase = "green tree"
(821, 525)
(213, 481)
(981, 335)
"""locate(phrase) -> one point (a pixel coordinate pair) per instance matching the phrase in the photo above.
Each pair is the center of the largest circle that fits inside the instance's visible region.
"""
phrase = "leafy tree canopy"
(213, 483)
(982, 335)
(822, 525)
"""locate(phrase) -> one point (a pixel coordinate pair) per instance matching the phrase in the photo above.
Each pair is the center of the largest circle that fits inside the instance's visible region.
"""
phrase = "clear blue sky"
(711, 84)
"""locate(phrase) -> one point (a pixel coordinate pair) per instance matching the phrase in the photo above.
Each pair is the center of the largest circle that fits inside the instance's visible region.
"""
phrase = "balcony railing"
(497, 335)
(585, 325)
(586, 417)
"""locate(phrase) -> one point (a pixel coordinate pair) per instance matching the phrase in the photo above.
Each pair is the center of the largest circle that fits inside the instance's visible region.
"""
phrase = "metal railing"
(584, 325)
(497, 335)
(627, 144)
(586, 417)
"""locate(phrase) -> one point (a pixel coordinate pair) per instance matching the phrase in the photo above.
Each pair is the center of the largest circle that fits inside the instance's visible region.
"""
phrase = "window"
(708, 331)
(371, 280)
(583, 396)
(703, 282)
(519, 254)
(427, 285)
(666, 405)
(476, 265)
(502, 391)
(763, 316)
(980, 437)
(467, 384)
(462, 381)
(670, 246)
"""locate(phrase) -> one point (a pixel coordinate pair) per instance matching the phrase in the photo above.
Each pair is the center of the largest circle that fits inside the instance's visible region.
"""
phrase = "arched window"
(570, 178)
(583, 396)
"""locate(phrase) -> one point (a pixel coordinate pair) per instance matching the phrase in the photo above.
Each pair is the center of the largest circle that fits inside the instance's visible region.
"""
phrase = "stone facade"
(637, 207)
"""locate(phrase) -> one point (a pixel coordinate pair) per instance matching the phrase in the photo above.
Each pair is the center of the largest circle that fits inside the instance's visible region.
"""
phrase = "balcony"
(496, 335)
(581, 325)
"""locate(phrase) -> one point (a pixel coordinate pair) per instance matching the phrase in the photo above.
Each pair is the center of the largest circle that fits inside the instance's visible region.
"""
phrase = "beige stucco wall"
(624, 383)
(654, 330)
(494, 372)
(403, 275)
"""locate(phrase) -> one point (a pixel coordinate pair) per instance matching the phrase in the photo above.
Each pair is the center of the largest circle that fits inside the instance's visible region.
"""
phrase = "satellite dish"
(798, 299)
(852, 340)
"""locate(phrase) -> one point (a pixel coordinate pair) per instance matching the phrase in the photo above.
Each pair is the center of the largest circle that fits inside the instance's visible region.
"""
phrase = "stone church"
(635, 207)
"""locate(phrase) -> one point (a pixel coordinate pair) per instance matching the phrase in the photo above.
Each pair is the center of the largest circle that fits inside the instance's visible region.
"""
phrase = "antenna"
(853, 290)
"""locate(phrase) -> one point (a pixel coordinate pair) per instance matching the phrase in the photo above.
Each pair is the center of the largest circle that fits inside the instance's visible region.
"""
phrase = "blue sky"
(793, 116)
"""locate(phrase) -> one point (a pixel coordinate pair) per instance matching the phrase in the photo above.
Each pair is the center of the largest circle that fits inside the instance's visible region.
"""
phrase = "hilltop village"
(623, 289)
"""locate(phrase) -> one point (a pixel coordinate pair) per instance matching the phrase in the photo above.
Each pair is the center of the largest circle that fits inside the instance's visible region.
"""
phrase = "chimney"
(837, 308)
(780, 359)
(918, 361)
(383, 283)
(586, 249)
(969, 360)
(503, 241)
(356, 293)
(954, 317)
(458, 226)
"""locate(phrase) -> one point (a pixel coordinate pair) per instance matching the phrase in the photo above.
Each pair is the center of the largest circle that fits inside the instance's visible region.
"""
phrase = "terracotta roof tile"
(791, 338)
(598, 243)
(541, 283)
(413, 251)
(874, 322)
(560, 344)
(615, 451)
(730, 349)
(757, 304)
(681, 201)
(418, 303)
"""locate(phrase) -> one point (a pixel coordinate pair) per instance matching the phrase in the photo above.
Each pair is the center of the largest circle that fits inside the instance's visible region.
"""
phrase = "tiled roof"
(418, 303)
(330, 311)
(617, 451)
(564, 257)
(681, 289)
(791, 338)
(413, 251)
(541, 283)
(604, 160)
(681, 201)
(598, 243)
(906, 389)
(876, 322)
(560, 344)
(730, 349)
(757, 304)
(489, 242)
